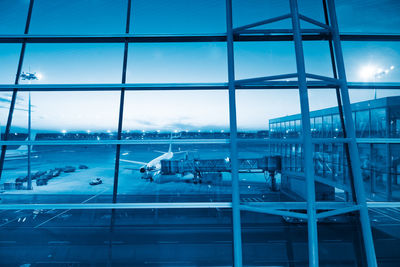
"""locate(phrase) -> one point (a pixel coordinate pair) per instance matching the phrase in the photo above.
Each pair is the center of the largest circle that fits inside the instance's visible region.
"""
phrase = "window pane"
(13, 16)
(68, 115)
(78, 17)
(378, 122)
(368, 16)
(362, 123)
(372, 61)
(177, 62)
(60, 174)
(178, 17)
(9, 56)
(74, 63)
(184, 176)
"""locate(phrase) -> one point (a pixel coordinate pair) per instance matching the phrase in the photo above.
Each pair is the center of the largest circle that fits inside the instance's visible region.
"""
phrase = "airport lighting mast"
(29, 77)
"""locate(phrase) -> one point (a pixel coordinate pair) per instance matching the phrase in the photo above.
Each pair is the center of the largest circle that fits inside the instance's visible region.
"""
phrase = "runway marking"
(386, 215)
(13, 220)
(65, 211)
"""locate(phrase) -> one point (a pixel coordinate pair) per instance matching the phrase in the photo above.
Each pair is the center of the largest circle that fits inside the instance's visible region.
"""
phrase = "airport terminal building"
(134, 133)
(377, 127)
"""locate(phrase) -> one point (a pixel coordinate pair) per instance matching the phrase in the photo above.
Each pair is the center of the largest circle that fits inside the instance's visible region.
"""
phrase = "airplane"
(19, 153)
(152, 169)
(29, 76)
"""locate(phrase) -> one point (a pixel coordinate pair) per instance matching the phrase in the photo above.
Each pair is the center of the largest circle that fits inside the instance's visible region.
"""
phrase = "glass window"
(298, 127)
(371, 62)
(337, 126)
(368, 17)
(74, 63)
(68, 115)
(178, 17)
(378, 122)
(258, 59)
(177, 62)
(13, 16)
(394, 114)
(78, 17)
(362, 123)
(327, 126)
(318, 127)
(9, 56)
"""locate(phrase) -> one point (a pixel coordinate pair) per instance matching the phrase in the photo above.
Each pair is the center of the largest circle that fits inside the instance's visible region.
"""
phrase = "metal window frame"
(328, 32)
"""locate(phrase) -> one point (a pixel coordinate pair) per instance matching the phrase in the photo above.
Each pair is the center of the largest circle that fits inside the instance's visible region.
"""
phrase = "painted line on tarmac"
(65, 211)
(13, 220)
(386, 215)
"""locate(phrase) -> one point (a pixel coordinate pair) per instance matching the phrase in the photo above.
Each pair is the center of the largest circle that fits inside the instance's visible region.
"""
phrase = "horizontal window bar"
(116, 142)
(196, 141)
(273, 85)
(187, 205)
(194, 205)
(132, 38)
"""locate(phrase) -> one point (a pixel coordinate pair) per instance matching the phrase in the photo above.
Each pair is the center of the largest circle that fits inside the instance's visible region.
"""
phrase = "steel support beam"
(134, 38)
(353, 150)
(15, 90)
(237, 232)
(121, 103)
(306, 133)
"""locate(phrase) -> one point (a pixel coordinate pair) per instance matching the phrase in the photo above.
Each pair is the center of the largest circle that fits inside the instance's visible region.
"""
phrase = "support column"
(306, 132)
(14, 94)
(353, 150)
(121, 104)
(237, 233)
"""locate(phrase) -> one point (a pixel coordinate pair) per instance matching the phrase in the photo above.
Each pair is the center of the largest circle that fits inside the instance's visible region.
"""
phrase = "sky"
(180, 62)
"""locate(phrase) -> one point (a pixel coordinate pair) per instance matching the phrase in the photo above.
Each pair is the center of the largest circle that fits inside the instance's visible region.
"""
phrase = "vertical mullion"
(354, 157)
(237, 235)
(308, 146)
(340, 107)
(121, 105)
(15, 90)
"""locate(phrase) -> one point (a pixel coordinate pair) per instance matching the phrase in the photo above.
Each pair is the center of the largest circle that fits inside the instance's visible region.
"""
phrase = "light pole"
(29, 77)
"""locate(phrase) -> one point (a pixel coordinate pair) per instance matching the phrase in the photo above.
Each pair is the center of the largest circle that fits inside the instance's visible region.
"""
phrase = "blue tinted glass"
(9, 56)
(74, 63)
(375, 16)
(78, 17)
(13, 15)
(177, 62)
(178, 17)
(372, 61)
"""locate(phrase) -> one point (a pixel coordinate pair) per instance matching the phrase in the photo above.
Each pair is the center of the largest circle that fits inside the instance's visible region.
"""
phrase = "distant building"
(377, 125)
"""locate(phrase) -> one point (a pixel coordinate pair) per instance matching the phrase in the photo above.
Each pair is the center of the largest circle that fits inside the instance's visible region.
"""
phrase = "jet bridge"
(201, 168)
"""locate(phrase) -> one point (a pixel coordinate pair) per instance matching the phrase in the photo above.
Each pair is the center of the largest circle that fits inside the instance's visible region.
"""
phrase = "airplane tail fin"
(25, 148)
(170, 145)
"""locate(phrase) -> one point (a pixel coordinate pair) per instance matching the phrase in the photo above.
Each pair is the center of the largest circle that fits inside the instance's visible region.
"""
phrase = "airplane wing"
(158, 151)
(133, 161)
